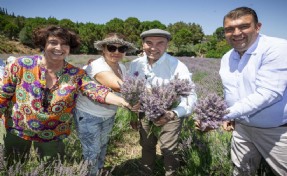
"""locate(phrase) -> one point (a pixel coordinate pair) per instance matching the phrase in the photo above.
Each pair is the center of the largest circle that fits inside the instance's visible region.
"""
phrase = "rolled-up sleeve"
(7, 88)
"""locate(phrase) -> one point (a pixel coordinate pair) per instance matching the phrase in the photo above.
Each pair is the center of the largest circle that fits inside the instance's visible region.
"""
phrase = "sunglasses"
(113, 48)
(45, 98)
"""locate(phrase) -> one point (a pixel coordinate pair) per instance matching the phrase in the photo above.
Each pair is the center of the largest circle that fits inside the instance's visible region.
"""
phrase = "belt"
(284, 125)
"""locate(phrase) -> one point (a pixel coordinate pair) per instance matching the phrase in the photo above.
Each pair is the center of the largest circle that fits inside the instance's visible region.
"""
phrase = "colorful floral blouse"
(37, 113)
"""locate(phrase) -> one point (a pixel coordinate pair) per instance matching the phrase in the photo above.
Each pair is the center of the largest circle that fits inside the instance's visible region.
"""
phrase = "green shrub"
(205, 153)
(185, 53)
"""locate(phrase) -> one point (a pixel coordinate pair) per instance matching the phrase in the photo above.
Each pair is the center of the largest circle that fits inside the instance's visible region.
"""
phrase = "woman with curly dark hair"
(43, 90)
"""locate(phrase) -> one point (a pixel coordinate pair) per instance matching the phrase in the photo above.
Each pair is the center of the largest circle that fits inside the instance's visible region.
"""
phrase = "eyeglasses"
(113, 48)
(45, 98)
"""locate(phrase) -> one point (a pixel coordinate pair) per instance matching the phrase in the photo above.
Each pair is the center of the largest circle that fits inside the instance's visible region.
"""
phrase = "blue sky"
(207, 13)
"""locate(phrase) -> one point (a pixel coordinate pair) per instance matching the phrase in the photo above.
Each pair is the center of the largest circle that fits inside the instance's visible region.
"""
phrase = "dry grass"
(127, 148)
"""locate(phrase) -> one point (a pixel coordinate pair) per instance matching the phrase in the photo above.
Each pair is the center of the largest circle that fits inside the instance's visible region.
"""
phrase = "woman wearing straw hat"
(43, 90)
(94, 121)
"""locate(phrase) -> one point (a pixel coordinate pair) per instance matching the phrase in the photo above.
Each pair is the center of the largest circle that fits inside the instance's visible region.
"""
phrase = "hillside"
(14, 47)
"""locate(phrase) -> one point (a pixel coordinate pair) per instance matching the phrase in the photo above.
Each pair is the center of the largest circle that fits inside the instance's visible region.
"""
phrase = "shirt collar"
(252, 49)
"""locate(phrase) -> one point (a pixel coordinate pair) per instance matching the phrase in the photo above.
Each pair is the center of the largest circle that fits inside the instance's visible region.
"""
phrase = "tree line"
(188, 38)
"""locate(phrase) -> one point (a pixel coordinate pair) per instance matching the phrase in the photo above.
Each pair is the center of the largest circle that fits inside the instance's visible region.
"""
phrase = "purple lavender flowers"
(132, 87)
(209, 111)
(160, 98)
(182, 87)
(155, 101)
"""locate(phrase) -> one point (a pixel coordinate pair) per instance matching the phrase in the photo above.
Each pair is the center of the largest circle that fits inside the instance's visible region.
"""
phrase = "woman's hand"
(125, 104)
(113, 99)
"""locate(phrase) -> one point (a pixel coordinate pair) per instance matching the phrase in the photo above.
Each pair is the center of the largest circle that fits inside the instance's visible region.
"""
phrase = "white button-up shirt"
(163, 71)
(255, 84)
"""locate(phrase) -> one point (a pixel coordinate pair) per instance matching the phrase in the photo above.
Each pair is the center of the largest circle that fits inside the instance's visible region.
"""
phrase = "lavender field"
(202, 153)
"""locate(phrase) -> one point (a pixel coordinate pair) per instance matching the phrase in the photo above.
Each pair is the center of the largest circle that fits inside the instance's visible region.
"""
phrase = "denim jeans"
(94, 134)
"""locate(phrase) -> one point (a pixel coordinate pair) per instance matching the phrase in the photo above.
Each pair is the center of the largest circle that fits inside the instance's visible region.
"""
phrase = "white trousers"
(249, 144)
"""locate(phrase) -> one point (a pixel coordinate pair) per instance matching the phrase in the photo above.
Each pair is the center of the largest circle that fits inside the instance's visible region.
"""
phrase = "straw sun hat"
(99, 45)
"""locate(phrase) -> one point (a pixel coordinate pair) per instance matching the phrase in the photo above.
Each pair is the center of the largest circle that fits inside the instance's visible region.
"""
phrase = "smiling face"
(56, 49)
(154, 47)
(116, 53)
(241, 32)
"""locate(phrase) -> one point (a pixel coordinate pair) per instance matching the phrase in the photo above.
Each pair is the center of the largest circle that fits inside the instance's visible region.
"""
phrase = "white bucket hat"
(99, 45)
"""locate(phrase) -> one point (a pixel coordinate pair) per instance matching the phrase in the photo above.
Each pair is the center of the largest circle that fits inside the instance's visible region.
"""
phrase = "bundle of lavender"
(131, 89)
(155, 101)
(209, 111)
(183, 87)
(160, 98)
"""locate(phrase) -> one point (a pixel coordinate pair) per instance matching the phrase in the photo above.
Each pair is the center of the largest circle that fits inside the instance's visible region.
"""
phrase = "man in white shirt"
(254, 77)
(159, 67)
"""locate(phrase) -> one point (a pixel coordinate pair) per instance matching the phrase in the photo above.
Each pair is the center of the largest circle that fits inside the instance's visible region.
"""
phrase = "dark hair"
(241, 11)
(41, 35)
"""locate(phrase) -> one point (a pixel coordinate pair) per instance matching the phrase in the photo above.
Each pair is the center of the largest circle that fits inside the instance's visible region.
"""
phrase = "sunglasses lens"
(111, 48)
(122, 49)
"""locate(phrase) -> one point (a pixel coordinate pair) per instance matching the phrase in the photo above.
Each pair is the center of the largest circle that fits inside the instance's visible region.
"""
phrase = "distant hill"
(12, 47)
